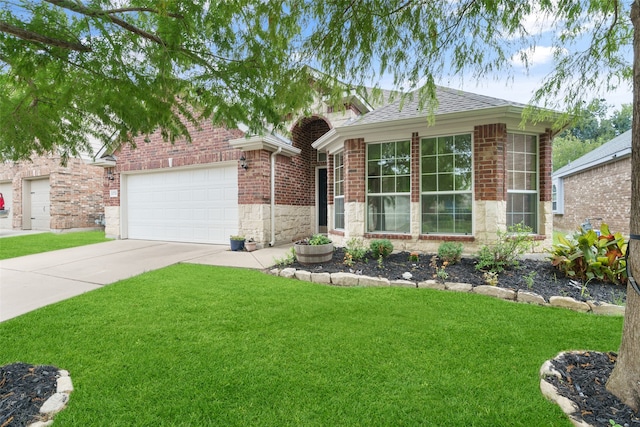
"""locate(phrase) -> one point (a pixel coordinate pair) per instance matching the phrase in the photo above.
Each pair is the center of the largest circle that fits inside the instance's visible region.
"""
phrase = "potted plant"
(250, 245)
(237, 243)
(314, 250)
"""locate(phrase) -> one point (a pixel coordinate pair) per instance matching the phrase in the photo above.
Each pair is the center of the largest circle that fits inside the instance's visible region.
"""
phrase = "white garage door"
(40, 204)
(190, 205)
(6, 188)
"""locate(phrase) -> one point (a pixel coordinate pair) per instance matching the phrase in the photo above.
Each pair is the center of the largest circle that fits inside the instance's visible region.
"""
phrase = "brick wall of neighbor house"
(75, 193)
(601, 192)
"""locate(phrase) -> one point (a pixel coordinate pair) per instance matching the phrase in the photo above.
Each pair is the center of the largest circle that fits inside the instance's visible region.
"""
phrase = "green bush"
(507, 250)
(381, 248)
(356, 249)
(585, 255)
(450, 252)
(319, 239)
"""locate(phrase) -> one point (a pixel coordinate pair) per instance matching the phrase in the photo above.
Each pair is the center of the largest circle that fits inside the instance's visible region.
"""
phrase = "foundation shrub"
(505, 253)
(381, 248)
(450, 252)
(584, 255)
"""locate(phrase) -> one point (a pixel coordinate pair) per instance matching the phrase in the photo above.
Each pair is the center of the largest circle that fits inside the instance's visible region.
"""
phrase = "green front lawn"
(12, 247)
(193, 345)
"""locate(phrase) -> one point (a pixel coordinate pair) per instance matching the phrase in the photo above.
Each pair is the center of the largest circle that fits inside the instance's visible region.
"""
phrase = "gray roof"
(618, 146)
(449, 101)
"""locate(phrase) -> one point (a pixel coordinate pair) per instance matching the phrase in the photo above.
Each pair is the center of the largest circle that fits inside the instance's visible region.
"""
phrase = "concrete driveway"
(33, 281)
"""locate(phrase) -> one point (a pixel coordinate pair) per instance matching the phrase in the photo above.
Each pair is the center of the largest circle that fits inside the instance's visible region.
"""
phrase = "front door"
(322, 200)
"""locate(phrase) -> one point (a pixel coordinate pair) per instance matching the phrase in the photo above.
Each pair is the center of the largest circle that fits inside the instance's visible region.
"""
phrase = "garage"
(6, 189)
(188, 205)
(38, 204)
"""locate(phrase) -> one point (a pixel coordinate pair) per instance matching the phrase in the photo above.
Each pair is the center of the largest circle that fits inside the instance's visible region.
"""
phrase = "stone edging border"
(350, 279)
(57, 402)
(551, 392)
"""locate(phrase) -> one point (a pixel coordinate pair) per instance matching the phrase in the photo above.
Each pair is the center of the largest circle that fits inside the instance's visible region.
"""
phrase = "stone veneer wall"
(75, 191)
(290, 220)
(601, 192)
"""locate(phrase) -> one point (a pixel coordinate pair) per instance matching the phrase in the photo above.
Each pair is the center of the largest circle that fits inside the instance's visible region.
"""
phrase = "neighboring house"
(364, 172)
(41, 194)
(596, 185)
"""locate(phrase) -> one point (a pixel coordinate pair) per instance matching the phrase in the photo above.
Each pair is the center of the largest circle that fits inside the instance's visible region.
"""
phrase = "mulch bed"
(545, 280)
(23, 390)
(584, 376)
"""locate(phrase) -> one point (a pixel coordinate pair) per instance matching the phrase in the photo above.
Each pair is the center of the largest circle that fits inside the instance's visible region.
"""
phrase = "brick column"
(355, 169)
(490, 158)
(545, 166)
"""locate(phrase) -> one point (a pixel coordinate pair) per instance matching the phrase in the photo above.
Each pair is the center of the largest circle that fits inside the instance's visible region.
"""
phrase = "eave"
(265, 142)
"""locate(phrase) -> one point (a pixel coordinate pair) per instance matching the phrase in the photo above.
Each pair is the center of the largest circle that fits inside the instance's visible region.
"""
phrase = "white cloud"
(535, 56)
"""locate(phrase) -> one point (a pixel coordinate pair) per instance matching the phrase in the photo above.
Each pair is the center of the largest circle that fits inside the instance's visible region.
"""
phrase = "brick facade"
(545, 165)
(490, 159)
(355, 170)
(75, 192)
(601, 192)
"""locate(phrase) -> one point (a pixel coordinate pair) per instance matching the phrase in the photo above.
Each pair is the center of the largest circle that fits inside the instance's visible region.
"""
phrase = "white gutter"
(273, 196)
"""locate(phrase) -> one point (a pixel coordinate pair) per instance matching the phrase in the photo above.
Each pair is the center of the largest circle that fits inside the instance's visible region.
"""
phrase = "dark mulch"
(545, 279)
(23, 390)
(584, 376)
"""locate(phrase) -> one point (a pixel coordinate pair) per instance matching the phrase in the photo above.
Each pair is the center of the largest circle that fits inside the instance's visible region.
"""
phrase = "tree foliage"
(594, 128)
(116, 69)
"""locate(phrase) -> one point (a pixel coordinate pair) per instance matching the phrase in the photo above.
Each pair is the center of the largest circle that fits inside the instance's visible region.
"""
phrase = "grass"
(198, 345)
(12, 247)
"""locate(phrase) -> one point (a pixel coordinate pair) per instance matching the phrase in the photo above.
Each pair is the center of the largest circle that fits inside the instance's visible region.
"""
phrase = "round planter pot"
(250, 246)
(314, 254)
(237, 245)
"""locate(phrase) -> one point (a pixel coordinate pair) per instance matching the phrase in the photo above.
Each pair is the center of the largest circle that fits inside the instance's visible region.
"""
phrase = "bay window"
(522, 180)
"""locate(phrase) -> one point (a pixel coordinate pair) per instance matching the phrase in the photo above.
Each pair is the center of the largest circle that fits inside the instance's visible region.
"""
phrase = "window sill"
(387, 236)
(447, 237)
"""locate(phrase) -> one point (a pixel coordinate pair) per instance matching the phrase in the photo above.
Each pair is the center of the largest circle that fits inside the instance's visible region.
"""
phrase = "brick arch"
(308, 129)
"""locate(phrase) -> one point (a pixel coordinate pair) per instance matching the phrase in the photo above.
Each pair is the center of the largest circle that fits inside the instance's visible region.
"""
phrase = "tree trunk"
(625, 378)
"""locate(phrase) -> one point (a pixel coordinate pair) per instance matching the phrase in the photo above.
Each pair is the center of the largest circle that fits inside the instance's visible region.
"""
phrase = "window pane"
(463, 143)
(403, 184)
(521, 208)
(445, 163)
(373, 152)
(429, 164)
(338, 205)
(429, 182)
(429, 146)
(388, 185)
(402, 166)
(388, 214)
(374, 168)
(374, 185)
(445, 145)
(403, 149)
(463, 181)
(445, 182)
(447, 214)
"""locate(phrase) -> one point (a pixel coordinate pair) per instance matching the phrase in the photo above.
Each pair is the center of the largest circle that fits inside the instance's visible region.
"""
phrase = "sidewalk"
(33, 281)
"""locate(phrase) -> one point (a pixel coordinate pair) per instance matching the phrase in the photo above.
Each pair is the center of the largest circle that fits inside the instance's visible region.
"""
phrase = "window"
(522, 180)
(321, 157)
(338, 191)
(557, 197)
(446, 180)
(389, 187)
(554, 198)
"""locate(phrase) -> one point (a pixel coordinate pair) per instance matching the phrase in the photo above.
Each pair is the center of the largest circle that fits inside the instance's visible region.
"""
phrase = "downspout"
(273, 196)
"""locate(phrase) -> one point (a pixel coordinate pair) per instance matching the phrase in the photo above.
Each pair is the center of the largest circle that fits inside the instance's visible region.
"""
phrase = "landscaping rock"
(54, 404)
(570, 303)
(372, 281)
(530, 298)
(64, 384)
(551, 393)
(321, 278)
(606, 308)
(494, 291)
(403, 283)
(458, 287)
(432, 284)
(344, 279)
(303, 275)
(289, 273)
(274, 271)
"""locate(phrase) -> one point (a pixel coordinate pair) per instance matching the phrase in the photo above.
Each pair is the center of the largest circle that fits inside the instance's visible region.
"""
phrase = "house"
(360, 171)
(596, 185)
(42, 194)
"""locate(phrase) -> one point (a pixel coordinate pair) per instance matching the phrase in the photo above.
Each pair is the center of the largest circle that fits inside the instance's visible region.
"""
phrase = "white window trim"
(335, 197)
(537, 191)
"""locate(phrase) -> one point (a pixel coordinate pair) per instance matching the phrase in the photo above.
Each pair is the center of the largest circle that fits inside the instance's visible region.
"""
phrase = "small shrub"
(414, 257)
(490, 278)
(348, 260)
(585, 255)
(355, 249)
(450, 252)
(381, 248)
(319, 239)
(441, 273)
(529, 278)
(288, 259)
(507, 250)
